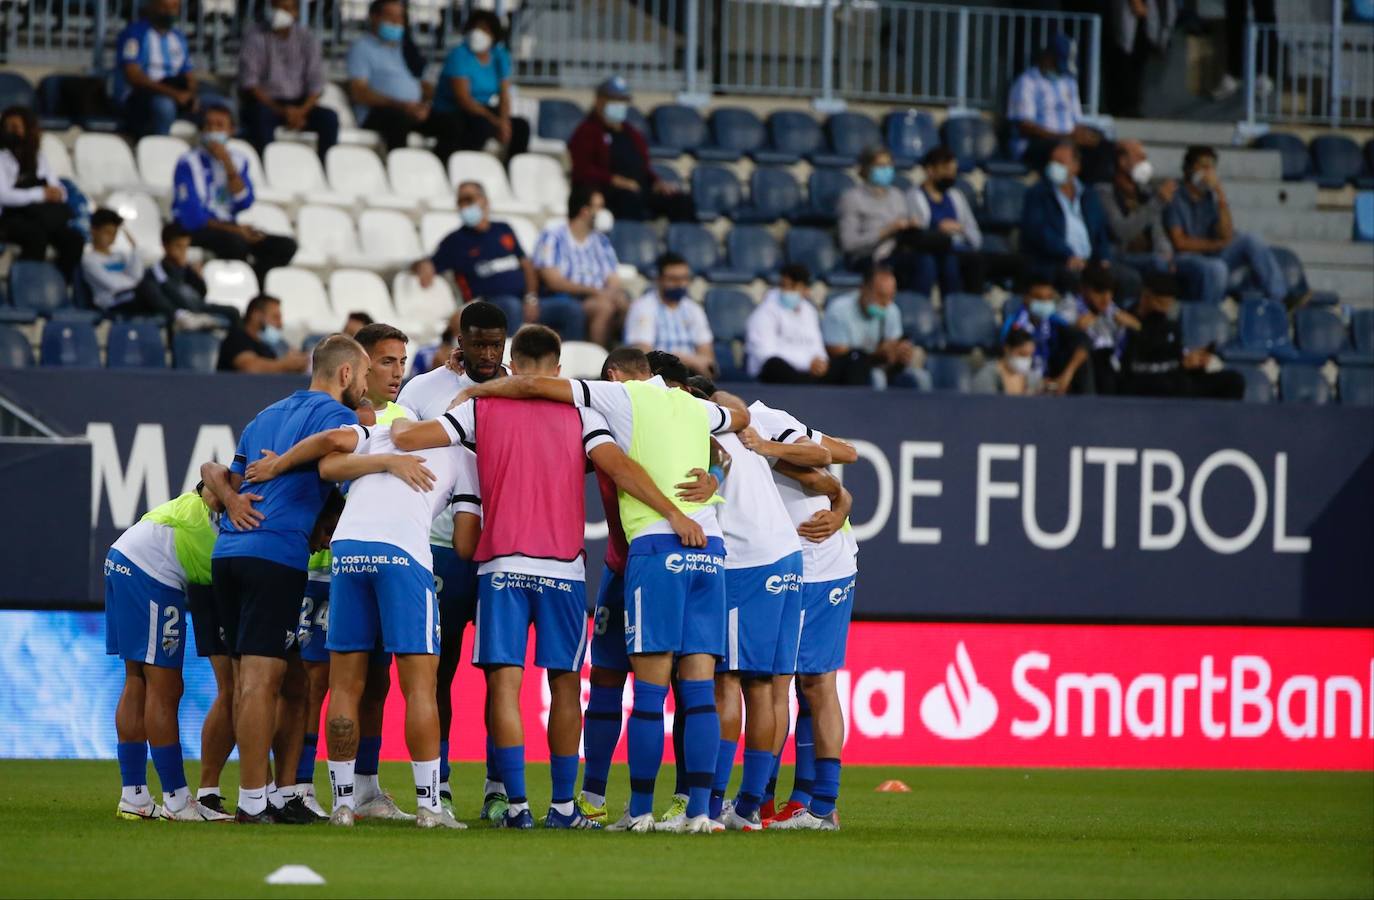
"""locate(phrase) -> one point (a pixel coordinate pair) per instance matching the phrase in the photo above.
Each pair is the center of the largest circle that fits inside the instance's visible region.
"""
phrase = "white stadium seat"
(267, 217)
(142, 219)
(582, 359)
(304, 304)
(468, 165)
(388, 237)
(539, 180)
(357, 173)
(55, 152)
(334, 98)
(157, 162)
(262, 191)
(525, 231)
(435, 226)
(326, 236)
(356, 290)
(432, 305)
(230, 282)
(104, 163)
(296, 169)
(418, 176)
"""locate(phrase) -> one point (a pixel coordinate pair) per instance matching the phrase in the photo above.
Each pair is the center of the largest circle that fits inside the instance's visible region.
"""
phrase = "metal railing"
(1319, 74)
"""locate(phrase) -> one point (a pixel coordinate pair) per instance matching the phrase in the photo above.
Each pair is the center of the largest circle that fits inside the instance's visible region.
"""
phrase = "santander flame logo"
(959, 709)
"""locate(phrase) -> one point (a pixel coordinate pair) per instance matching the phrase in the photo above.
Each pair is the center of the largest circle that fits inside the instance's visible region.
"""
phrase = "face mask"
(479, 41)
(1021, 365)
(471, 215)
(1142, 172)
(1057, 172)
(881, 175)
(391, 32)
(1042, 309)
(162, 20)
(215, 138)
(617, 111)
(282, 19)
(875, 310)
(789, 299)
(1199, 179)
(674, 295)
(603, 221)
(944, 184)
(271, 334)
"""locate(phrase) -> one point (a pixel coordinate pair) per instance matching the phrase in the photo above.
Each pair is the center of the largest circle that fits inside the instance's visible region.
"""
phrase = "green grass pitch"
(960, 832)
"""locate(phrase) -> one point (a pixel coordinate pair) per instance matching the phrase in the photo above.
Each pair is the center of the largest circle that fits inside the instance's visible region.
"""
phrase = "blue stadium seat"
(1003, 199)
(795, 132)
(1364, 216)
(1296, 162)
(1357, 386)
(1204, 324)
(1335, 160)
(15, 352)
(1321, 333)
(49, 104)
(135, 344)
(949, 372)
(696, 245)
(197, 351)
(37, 286)
(728, 312)
(70, 343)
(1366, 181)
(752, 250)
(667, 173)
(58, 94)
(716, 191)
(773, 194)
(969, 322)
(1292, 269)
(971, 138)
(815, 249)
(848, 134)
(15, 90)
(558, 119)
(735, 131)
(1258, 387)
(1362, 10)
(920, 321)
(678, 128)
(910, 135)
(1303, 384)
(1263, 332)
(1362, 336)
(310, 340)
(635, 244)
(823, 194)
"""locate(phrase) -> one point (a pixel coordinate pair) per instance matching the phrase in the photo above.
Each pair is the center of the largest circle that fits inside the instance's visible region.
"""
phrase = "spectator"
(1209, 249)
(1137, 28)
(435, 355)
(1134, 207)
(154, 80)
(1061, 350)
(611, 155)
(1044, 111)
(1063, 227)
(666, 319)
(281, 76)
(474, 87)
(873, 215)
(387, 97)
(1239, 14)
(211, 187)
(939, 207)
(577, 269)
(174, 286)
(1154, 361)
(486, 261)
(1014, 372)
(863, 335)
(112, 274)
(783, 342)
(251, 346)
(35, 212)
(1104, 326)
(356, 322)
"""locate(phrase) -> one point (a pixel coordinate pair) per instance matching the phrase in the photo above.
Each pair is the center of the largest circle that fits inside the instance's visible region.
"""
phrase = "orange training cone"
(892, 786)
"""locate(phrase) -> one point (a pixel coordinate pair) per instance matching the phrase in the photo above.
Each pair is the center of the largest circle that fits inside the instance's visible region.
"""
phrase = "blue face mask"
(789, 299)
(1042, 309)
(617, 111)
(674, 295)
(471, 215)
(391, 32)
(882, 175)
(271, 334)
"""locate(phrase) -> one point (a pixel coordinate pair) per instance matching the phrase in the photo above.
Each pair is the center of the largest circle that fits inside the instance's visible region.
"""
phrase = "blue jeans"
(148, 112)
(260, 125)
(564, 315)
(927, 268)
(512, 307)
(1206, 276)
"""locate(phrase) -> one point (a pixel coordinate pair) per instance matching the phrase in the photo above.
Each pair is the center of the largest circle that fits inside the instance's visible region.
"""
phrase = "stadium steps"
(1333, 253)
(1285, 195)
(1177, 132)
(1232, 162)
(1280, 225)
(1354, 285)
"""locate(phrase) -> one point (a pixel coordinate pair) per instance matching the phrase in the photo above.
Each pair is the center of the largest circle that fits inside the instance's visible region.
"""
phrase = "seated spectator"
(486, 261)
(281, 77)
(1154, 361)
(872, 216)
(356, 322)
(863, 335)
(33, 203)
(474, 86)
(1134, 206)
(1014, 372)
(783, 343)
(1207, 245)
(173, 286)
(387, 97)
(1044, 111)
(1104, 324)
(1063, 228)
(112, 274)
(211, 187)
(611, 155)
(251, 346)
(1061, 358)
(938, 207)
(582, 295)
(154, 80)
(666, 319)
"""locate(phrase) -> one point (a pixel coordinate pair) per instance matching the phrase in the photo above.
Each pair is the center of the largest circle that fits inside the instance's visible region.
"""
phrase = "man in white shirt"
(666, 319)
(783, 342)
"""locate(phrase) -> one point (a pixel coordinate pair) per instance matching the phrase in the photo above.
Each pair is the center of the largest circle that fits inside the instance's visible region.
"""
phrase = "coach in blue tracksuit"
(154, 79)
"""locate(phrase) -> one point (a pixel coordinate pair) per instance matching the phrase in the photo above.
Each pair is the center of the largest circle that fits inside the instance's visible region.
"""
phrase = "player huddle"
(729, 572)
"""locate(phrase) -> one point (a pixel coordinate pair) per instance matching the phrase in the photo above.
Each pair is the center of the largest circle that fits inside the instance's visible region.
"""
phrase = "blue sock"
(170, 771)
(444, 768)
(700, 741)
(600, 734)
(510, 762)
(827, 787)
(771, 789)
(133, 762)
(369, 755)
(645, 744)
(493, 762)
(725, 763)
(680, 785)
(757, 765)
(804, 778)
(563, 770)
(305, 767)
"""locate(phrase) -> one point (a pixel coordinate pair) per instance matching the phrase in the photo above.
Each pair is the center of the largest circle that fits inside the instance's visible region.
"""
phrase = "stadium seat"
(157, 162)
(37, 286)
(824, 188)
(263, 191)
(696, 245)
(526, 232)
(196, 351)
(59, 160)
(435, 226)
(582, 359)
(1364, 216)
(737, 130)
(716, 192)
(751, 249)
(70, 343)
(1292, 269)
(65, 99)
(230, 282)
(295, 169)
(950, 372)
(1258, 387)
(848, 134)
(358, 290)
(419, 179)
(909, 135)
(142, 219)
(1362, 336)
(773, 194)
(1003, 199)
(679, 129)
(387, 238)
(1335, 160)
(104, 163)
(728, 310)
(1303, 384)
(920, 321)
(1263, 332)
(666, 173)
(1366, 181)
(334, 98)
(539, 181)
(972, 139)
(269, 218)
(326, 235)
(969, 322)
(15, 352)
(1320, 332)
(794, 132)
(1362, 10)
(305, 305)
(432, 305)
(815, 249)
(1356, 386)
(468, 165)
(135, 344)
(15, 90)
(356, 173)
(636, 245)
(1296, 162)
(1204, 324)
(558, 118)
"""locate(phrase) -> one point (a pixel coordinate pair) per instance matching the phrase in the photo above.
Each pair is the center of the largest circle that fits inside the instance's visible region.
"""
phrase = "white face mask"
(1200, 179)
(1142, 172)
(479, 41)
(282, 19)
(1057, 172)
(603, 221)
(1019, 364)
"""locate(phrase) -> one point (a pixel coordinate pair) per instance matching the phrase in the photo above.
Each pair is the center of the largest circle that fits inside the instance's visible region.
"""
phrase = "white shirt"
(833, 558)
(792, 335)
(758, 529)
(674, 329)
(428, 396)
(384, 509)
(613, 401)
(152, 547)
(9, 174)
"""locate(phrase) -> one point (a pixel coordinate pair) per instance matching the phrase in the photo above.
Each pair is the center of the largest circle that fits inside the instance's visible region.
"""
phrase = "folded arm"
(630, 477)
